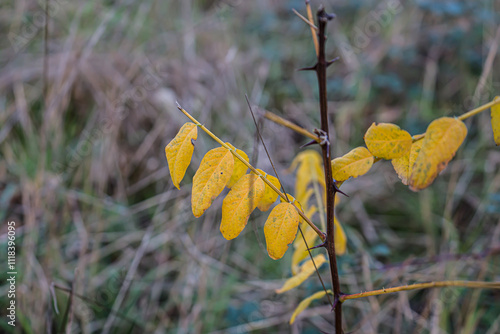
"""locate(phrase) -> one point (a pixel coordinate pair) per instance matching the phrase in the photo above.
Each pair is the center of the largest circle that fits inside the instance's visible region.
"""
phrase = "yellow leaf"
(215, 170)
(495, 121)
(300, 252)
(404, 165)
(179, 152)
(310, 169)
(239, 167)
(306, 302)
(280, 229)
(306, 270)
(442, 140)
(310, 236)
(270, 195)
(239, 204)
(355, 163)
(340, 238)
(387, 141)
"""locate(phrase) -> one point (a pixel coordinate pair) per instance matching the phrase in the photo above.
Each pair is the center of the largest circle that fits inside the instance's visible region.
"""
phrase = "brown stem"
(320, 69)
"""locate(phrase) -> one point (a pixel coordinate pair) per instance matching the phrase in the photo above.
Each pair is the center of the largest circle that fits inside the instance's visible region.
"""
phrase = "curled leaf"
(306, 302)
(215, 170)
(387, 141)
(306, 270)
(179, 152)
(355, 163)
(442, 140)
(239, 168)
(495, 121)
(280, 229)
(239, 204)
(270, 195)
(404, 165)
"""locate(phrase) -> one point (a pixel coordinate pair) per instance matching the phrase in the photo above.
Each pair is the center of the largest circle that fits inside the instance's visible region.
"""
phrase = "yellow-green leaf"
(387, 141)
(239, 204)
(442, 140)
(179, 152)
(306, 270)
(270, 195)
(306, 302)
(280, 229)
(239, 167)
(404, 165)
(215, 170)
(495, 121)
(355, 163)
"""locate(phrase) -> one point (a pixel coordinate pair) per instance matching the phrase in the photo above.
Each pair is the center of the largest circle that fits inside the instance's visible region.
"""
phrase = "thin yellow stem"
(279, 120)
(305, 19)
(479, 109)
(466, 284)
(255, 171)
(313, 31)
(466, 115)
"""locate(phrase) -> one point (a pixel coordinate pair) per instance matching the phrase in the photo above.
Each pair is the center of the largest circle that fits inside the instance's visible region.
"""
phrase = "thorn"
(335, 302)
(323, 244)
(328, 63)
(312, 68)
(312, 142)
(337, 190)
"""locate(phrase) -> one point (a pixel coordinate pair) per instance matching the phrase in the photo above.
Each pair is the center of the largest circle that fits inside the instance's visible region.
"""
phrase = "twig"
(418, 286)
(286, 123)
(320, 69)
(313, 31)
(313, 27)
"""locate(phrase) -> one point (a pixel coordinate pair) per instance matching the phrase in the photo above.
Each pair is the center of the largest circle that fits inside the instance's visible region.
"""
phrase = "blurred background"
(88, 105)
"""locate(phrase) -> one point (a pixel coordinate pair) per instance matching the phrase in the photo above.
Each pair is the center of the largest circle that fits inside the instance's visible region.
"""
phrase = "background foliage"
(84, 176)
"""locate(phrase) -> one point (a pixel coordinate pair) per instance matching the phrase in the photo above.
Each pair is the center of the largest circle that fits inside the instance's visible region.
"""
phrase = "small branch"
(418, 286)
(479, 109)
(313, 27)
(468, 114)
(255, 171)
(281, 121)
(320, 69)
(313, 31)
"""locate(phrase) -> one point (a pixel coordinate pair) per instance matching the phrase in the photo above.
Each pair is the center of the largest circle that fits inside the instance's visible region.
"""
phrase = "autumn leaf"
(309, 165)
(442, 140)
(300, 244)
(306, 302)
(495, 121)
(239, 168)
(306, 270)
(239, 204)
(355, 163)
(215, 170)
(404, 165)
(280, 229)
(387, 141)
(270, 195)
(179, 152)
(340, 238)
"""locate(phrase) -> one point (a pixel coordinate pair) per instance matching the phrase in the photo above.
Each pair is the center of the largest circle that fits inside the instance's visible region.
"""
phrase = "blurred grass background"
(83, 172)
